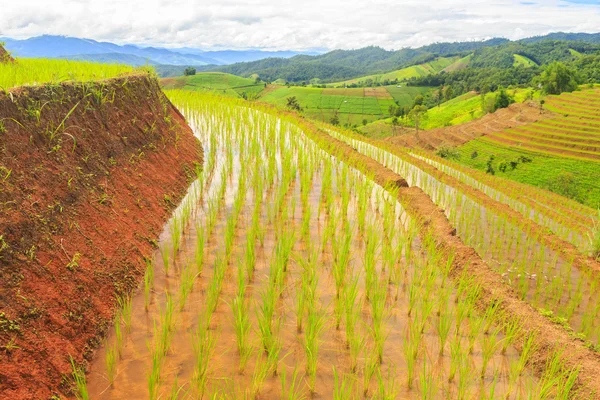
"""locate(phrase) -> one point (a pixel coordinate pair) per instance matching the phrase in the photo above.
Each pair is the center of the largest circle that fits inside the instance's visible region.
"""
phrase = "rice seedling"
(241, 321)
(125, 311)
(164, 251)
(118, 331)
(203, 345)
(427, 382)
(489, 345)
(80, 381)
(315, 323)
(411, 347)
(291, 391)
(112, 355)
(464, 378)
(201, 239)
(148, 283)
(187, 283)
(261, 371)
(386, 384)
(343, 386)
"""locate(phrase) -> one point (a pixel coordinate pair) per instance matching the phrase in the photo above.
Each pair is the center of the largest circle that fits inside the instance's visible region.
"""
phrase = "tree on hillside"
(502, 100)
(292, 104)
(395, 123)
(417, 114)
(189, 71)
(448, 93)
(558, 78)
(419, 99)
(335, 120)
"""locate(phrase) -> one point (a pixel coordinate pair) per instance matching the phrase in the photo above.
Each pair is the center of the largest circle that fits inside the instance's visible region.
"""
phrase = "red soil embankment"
(89, 174)
(5, 56)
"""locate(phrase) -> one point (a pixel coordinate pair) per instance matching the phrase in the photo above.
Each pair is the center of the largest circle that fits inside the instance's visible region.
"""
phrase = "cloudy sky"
(295, 24)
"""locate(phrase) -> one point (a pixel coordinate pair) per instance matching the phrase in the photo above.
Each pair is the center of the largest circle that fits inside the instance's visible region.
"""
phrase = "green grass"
(523, 61)
(540, 172)
(219, 82)
(36, 71)
(414, 71)
(350, 105)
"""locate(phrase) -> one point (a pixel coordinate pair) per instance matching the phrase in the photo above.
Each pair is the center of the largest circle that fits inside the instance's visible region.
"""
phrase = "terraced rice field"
(574, 132)
(311, 262)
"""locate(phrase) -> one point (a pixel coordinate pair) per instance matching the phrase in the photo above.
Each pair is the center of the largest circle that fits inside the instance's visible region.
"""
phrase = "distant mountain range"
(49, 46)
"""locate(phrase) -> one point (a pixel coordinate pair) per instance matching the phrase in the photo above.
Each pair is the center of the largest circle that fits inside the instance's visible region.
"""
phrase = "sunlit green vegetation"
(37, 71)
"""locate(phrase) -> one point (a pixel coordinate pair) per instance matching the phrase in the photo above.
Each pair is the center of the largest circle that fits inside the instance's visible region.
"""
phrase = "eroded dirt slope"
(515, 115)
(89, 173)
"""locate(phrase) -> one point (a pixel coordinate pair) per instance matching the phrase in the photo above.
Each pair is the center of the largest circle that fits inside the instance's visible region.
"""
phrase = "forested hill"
(340, 65)
(347, 64)
(580, 37)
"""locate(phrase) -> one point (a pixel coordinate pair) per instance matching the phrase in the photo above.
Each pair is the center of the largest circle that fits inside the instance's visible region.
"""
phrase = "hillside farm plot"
(286, 273)
(222, 83)
(405, 95)
(379, 92)
(523, 61)
(351, 106)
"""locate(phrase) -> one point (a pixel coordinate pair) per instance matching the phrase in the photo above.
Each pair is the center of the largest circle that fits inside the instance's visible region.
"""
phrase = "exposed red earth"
(89, 174)
(515, 115)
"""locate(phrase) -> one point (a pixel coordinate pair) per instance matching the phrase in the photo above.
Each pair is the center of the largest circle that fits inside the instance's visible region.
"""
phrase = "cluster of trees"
(189, 71)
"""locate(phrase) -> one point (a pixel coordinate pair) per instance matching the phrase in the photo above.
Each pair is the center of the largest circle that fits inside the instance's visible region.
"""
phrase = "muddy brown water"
(225, 379)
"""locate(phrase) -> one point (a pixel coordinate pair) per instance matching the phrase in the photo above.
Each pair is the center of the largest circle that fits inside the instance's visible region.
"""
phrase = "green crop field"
(405, 95)
(219, 82)
(523, 61)
(414, 71)
(33, 71)
(566, 176)
(352, 106)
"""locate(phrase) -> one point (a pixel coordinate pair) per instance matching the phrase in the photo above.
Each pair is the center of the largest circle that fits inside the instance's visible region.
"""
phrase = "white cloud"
(298, 25)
